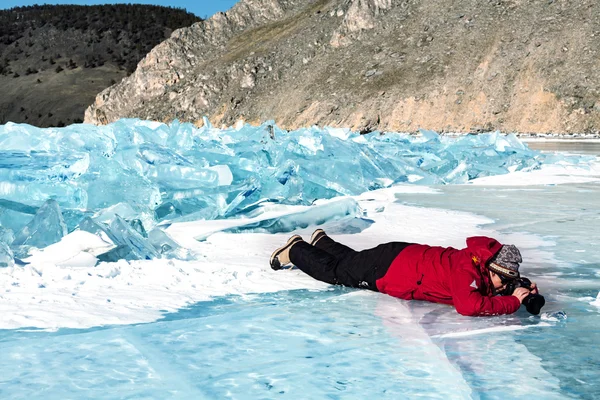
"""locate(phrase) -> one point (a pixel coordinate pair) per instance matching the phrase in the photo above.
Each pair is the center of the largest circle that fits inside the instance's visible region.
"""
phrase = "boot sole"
(315, 238)
(274, 261)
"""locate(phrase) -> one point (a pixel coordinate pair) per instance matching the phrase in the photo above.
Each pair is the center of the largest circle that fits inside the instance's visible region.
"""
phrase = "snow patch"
(597, 301)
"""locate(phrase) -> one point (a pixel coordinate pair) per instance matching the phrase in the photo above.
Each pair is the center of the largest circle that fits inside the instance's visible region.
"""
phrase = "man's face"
(497, 283)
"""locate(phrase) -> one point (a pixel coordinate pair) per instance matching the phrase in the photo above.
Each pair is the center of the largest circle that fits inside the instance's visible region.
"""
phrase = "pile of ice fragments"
(123, 180)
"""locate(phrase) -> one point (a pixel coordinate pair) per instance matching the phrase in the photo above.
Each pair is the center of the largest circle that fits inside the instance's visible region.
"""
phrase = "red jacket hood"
(483, 248)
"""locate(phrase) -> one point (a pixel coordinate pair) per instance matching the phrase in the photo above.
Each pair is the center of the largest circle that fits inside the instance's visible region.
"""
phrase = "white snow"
(72, 251)
(597, 301)
(495, 329)
(554, 174)
(311, 143)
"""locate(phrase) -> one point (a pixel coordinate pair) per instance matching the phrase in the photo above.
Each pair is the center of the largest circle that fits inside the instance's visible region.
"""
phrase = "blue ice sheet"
(299, 344)
(346, 343)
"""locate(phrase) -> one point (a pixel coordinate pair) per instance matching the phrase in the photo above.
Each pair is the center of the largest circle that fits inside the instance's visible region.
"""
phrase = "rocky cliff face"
(448, 65)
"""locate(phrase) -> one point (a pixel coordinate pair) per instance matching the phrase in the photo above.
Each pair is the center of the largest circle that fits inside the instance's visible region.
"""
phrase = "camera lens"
(534, 303)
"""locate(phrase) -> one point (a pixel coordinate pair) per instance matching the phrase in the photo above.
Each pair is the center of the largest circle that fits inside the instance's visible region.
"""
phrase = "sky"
(202, 8)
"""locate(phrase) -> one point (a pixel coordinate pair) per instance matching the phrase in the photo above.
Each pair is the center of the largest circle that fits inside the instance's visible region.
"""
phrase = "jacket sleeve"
(465, 285)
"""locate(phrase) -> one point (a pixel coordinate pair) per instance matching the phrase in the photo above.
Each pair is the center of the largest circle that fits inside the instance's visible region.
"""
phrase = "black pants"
(332, 262)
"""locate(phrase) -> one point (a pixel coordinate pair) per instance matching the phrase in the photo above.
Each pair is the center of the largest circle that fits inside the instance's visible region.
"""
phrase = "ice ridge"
(124, 179)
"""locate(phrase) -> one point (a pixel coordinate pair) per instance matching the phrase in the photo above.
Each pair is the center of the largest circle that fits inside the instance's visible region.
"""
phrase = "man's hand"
(534, 288)
(521, 293)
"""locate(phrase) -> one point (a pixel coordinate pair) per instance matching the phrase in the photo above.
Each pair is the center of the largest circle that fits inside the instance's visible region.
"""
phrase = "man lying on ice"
(469, 279)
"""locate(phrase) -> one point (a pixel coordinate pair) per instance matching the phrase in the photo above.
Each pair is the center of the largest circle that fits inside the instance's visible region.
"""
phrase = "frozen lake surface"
(226, 326)
(576, 146)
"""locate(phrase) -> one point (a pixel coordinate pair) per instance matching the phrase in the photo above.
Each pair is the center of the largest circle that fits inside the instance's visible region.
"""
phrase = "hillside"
(55, 59)
(448, 65)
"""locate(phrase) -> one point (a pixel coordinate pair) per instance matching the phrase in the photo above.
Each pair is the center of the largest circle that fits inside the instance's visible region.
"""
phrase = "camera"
(533, 302)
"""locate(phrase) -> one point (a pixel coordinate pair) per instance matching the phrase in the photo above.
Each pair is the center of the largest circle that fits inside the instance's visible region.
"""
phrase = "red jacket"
(450, 276)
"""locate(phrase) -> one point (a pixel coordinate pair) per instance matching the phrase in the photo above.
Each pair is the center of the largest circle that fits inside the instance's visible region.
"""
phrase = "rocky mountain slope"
(55, 59)
(448, 65)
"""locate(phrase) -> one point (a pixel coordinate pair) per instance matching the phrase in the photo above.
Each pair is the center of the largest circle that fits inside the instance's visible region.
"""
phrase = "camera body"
(533, 302)
(516, 283)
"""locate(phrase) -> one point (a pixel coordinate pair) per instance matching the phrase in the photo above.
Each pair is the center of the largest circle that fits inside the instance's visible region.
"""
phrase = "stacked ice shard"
(6, 254)
(46, 227)
(131, 175)
(346, 208)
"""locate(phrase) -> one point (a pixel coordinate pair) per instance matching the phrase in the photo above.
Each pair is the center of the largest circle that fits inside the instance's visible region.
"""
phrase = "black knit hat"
(506, 262)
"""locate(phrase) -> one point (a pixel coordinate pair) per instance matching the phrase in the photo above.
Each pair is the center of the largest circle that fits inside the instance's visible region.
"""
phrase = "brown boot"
(316, 236)
(281, 256)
